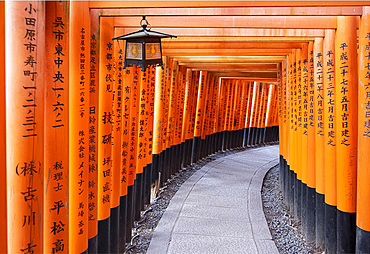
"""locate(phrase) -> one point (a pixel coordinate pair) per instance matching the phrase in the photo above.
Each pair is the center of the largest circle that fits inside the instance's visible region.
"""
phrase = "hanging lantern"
(143, 48)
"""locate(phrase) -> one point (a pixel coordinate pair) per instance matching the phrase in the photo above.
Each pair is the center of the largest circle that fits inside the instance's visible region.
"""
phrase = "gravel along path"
(285, 230)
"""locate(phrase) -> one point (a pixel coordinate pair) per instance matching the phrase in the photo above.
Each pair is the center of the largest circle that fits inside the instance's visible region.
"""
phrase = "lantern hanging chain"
(144, 23)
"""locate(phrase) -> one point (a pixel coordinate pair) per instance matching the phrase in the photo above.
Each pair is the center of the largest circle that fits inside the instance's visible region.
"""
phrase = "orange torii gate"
(88, 128)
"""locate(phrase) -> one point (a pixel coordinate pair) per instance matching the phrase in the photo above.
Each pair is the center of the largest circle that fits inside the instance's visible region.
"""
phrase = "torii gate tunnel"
(85, 142)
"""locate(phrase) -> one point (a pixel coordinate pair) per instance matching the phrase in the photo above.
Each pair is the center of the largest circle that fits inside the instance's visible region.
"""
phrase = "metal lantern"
(143, 48)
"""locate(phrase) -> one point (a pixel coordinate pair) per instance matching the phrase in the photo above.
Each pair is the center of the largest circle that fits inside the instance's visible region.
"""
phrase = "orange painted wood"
(220, 106)
(205, 109)
(3, 173)
(330, 135)
(237, 11)
(151, 104)
(127, 80)
(200, 104)
(142, 123)
(257, 104)
(280, 98)
(159, 102)
(78, 126)
(225, 52)
(195, 80)
(319, 115)
(305, 81)
(187, 104)
(262, 105)
(172, 83)
(249, 106)
(304, 34)
(167, 90)
(285, 112)
(93, 125)
(193, 3)
(105, 117)
(180, 104)
(346, 112)
(363, 195)
(311, 135)
(134, 121)
(287, 22)
(56, 157)
(117, 124)
(246, 45)
(291, 161)
(244, 104)
(299, 114)
(25, 124)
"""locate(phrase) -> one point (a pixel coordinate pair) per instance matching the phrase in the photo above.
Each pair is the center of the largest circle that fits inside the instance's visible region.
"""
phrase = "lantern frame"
(143, 48)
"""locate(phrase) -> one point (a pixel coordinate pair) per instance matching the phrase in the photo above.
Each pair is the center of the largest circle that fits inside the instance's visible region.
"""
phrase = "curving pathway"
(219, 208)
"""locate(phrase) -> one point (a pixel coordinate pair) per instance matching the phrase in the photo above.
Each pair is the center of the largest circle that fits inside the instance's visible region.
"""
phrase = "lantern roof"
(144, 33)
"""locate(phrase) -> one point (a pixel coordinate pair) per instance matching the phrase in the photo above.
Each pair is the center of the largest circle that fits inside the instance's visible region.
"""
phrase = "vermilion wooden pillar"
(93, 132)
(248, 114)
(3, 174)
(330, 135)
(305, 85)
(319, 140)
(24, 43)
(56, 126)
(125, 226)
(363, 177)
(299, 133)
(79, 76)
(158, 123)
(105, 120)
(346, 78)
(292, 136)
(311, 158)
(199, 115)
(118, 59)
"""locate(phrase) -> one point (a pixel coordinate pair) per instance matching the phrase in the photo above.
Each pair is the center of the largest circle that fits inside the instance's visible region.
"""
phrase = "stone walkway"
(219, 208)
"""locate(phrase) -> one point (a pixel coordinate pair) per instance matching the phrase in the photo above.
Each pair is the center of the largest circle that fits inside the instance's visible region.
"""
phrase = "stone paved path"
(219, 208)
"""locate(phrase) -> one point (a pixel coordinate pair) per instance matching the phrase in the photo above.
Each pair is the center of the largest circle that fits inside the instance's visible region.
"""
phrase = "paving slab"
(219, 208)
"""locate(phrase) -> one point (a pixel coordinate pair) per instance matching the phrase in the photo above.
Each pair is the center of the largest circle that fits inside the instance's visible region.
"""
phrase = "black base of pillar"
(311, 214)
(138, 196)
(362, 241)
(304, 208)
(320, 220)
(330, 229)
(346, 232)
(104, 236)
(114, 229)
(298, 199)
(122, 223)
(93, 245)
(195, 150)
(130, 212)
